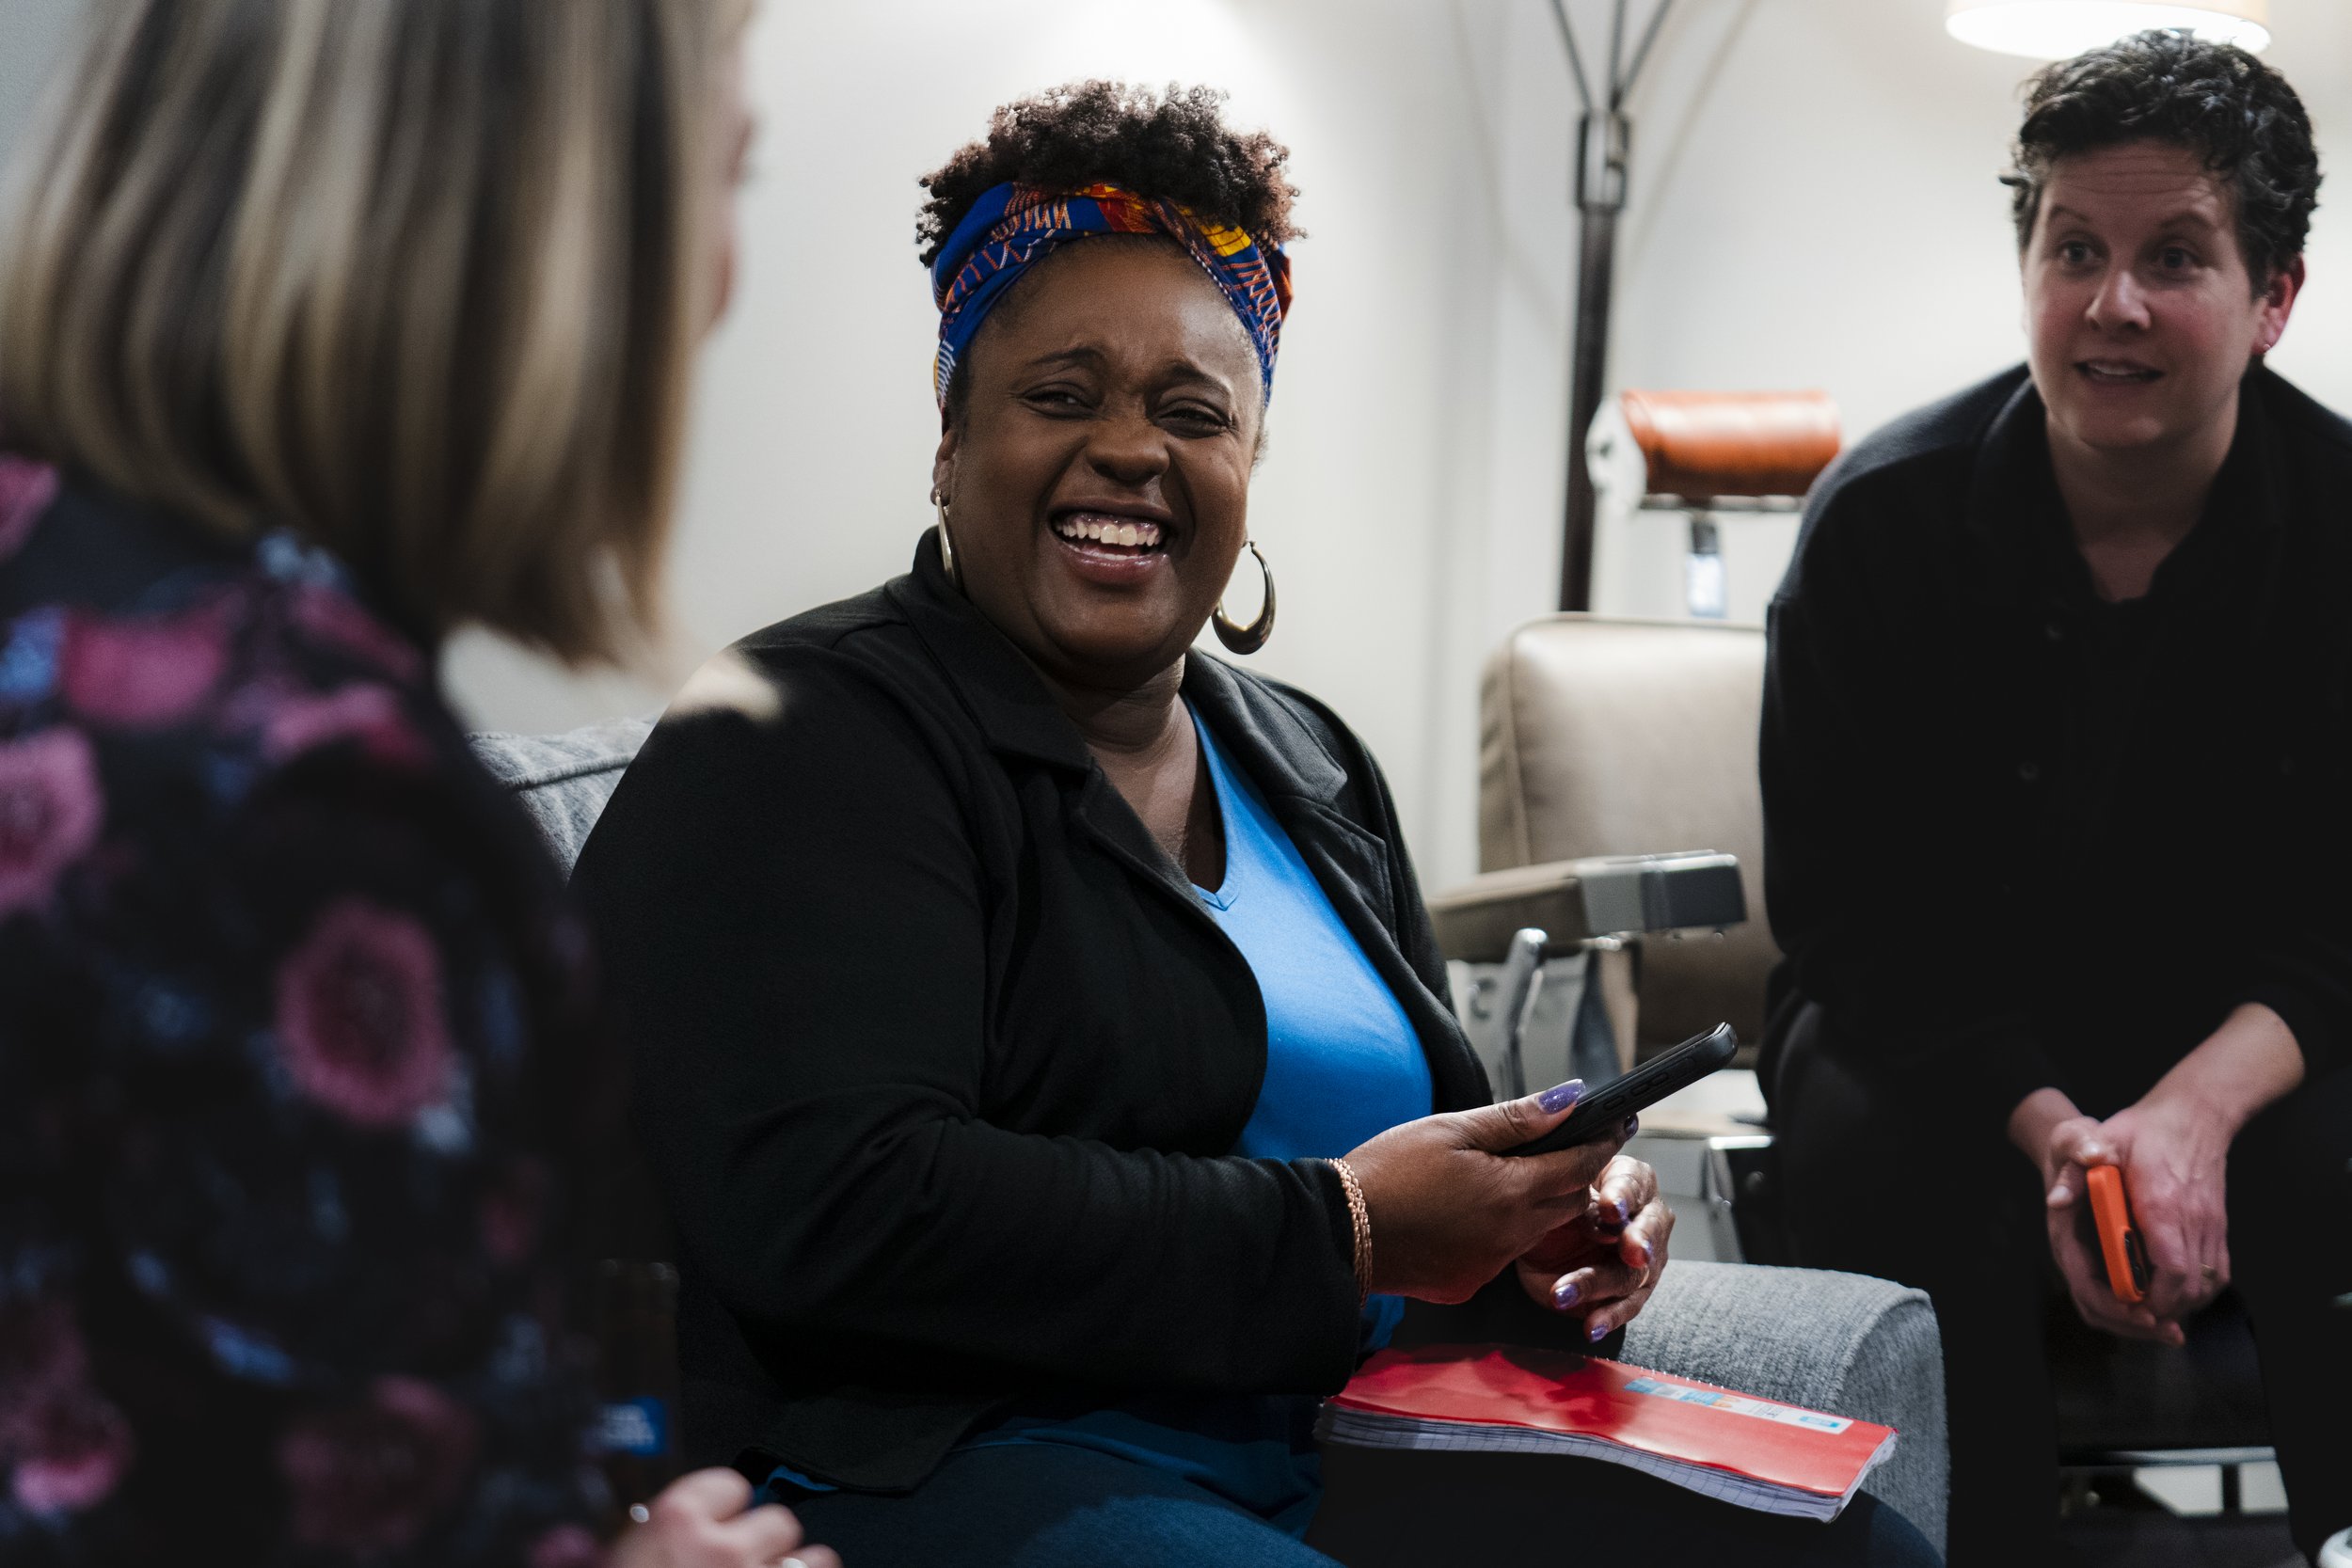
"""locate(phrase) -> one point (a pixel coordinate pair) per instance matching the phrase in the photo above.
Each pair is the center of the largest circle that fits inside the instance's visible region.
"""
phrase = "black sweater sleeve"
(1871, 881)
(2300, 964)
(798, 915)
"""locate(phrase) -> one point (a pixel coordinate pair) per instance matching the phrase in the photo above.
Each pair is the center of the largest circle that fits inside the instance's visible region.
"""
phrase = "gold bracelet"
(1361, 1217)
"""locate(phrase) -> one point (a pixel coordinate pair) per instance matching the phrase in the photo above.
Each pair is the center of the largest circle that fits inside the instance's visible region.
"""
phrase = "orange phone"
(2119, 1239)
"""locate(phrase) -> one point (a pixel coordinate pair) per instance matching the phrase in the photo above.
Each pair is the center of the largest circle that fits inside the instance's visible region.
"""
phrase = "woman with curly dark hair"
(2078, 635)
(1044, 1039)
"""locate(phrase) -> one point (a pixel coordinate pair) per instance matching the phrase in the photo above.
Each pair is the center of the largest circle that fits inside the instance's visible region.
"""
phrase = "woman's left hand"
(1605, 1263)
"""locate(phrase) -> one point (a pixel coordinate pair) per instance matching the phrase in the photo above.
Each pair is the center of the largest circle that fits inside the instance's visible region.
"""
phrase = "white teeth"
(1107, 530)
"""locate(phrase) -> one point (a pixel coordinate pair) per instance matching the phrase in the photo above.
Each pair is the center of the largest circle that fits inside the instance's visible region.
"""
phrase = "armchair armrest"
(1573, 900)
(1840, 1343)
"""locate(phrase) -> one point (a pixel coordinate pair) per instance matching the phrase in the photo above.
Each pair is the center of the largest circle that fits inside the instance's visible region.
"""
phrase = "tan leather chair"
(1619, 738)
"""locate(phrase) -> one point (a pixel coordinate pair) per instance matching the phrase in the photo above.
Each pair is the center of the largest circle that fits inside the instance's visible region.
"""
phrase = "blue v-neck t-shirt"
(1343, 1063)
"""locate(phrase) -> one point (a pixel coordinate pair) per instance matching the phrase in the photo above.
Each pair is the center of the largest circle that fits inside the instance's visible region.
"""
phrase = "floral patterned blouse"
(296, 1050)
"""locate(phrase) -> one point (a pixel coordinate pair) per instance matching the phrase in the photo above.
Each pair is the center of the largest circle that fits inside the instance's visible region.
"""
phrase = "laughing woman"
(1046, 1043)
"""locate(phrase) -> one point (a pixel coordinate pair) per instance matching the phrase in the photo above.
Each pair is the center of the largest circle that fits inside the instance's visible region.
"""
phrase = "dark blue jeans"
(1043, 1506)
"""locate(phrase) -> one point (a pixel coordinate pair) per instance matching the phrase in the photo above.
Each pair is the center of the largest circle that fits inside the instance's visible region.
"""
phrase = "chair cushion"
(1636, 737)
(1708, 444)
(563, 780)
(1841, 1343)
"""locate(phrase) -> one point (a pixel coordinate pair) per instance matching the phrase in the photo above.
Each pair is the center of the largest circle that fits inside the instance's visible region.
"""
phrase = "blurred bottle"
(637, 1376)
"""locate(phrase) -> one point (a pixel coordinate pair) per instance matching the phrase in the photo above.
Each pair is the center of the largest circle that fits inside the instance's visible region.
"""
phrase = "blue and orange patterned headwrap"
(1013, 227)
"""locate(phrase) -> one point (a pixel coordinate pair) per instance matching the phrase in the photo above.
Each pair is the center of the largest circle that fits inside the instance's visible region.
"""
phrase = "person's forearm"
(2249, 1063)
(2242, 1067)
(2031, 1121)
(1058, 1257)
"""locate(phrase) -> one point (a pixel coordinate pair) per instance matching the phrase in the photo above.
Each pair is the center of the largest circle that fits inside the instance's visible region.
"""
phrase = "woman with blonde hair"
(324, 329)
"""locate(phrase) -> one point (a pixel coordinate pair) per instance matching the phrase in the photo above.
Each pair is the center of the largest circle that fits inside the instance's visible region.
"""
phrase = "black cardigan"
(942, 1061)
(2015, 836)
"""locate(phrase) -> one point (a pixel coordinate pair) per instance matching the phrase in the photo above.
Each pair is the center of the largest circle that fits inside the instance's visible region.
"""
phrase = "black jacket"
(941, 1060)
(2018, 836)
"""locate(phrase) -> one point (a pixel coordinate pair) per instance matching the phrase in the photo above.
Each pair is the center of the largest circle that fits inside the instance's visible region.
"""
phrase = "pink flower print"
(26, 488)
(566, 1546)
(73, 1456)
(360, 1015)
(50, 811)
(333, 618)
(141, 674)
(65, 1447)
(370, 1478)
(299, 722)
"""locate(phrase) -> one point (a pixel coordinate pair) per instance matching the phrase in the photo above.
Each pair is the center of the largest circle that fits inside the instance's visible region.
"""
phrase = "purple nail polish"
(1632, 1125)
(1564, 1295)
(1597, 1332)
(1563, 1095)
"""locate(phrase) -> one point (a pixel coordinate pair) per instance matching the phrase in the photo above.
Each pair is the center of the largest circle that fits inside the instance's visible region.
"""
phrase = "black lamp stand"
(1603, 144)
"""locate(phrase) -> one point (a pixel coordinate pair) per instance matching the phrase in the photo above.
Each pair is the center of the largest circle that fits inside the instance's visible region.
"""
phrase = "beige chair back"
(1626, 738)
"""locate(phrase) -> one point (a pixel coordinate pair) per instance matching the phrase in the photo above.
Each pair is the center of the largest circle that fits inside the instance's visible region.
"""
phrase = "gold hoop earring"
(946, 543)
(1248, 639)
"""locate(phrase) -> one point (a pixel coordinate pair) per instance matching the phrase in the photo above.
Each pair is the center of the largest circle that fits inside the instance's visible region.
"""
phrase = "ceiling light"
(2058, 29)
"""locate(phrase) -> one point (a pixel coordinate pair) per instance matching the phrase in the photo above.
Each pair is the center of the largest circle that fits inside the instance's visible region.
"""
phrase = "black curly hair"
(1173, 144)
(2215, 98)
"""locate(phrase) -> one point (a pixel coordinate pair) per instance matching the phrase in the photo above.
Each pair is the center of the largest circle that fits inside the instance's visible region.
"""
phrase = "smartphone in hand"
(1645, 1086)
(2126, 1254)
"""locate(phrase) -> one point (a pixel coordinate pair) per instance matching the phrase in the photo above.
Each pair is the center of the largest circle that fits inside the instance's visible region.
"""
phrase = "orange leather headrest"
(1705, 444)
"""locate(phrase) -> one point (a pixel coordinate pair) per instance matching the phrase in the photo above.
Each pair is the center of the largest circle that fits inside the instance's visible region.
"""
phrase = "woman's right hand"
(1449, 1211)
(701, 1521)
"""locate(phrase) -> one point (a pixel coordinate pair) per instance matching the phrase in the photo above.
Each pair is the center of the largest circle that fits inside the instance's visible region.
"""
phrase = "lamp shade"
(2056, 29)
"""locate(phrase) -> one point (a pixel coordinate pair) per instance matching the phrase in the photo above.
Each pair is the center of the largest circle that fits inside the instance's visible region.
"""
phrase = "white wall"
(1814, 204)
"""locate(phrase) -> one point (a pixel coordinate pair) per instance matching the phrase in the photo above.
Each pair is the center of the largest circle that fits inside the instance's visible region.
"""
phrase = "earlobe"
(2278, 295)
(943, 464)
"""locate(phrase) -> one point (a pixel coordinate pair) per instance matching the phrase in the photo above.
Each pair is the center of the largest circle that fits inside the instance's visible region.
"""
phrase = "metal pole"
(1616, 54)
(1576, 57)
(1602, 144)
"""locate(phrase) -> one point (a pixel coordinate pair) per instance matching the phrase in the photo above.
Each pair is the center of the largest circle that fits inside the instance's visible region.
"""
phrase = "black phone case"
(1638, 1091)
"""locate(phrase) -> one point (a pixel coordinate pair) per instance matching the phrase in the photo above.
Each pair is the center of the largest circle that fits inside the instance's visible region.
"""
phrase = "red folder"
(1754, 1452)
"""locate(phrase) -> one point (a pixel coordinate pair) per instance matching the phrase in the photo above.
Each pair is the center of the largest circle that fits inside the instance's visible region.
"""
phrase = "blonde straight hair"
(419, 279)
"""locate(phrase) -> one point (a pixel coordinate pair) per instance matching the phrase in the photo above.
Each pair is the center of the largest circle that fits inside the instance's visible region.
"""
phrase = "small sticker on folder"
(1738, 1404)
